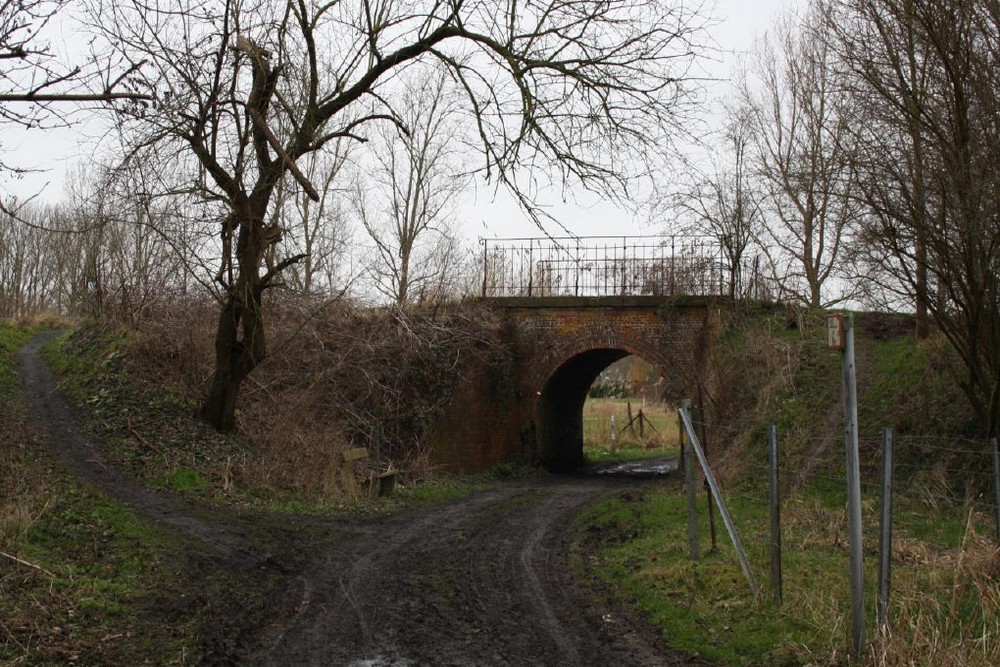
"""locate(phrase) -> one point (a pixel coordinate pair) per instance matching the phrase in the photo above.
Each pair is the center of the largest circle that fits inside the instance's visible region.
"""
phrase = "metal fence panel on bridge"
(604, 266)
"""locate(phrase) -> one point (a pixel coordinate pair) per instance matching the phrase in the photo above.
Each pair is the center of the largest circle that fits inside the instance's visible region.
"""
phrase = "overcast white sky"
(739, 22)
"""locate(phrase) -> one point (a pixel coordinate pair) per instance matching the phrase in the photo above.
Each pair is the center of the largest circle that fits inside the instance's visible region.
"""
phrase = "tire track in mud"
(482, 581)
(487, 580)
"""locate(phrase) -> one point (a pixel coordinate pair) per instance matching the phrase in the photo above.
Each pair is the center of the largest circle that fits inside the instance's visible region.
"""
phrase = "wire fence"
(614, 266)
(940, 469)
(949, 515)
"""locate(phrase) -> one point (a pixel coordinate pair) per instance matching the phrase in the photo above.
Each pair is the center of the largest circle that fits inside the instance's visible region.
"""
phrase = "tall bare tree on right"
(804, 157)
(924, 77)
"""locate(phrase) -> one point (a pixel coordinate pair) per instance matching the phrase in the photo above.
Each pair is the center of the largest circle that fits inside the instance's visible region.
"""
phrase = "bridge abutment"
(528, 403)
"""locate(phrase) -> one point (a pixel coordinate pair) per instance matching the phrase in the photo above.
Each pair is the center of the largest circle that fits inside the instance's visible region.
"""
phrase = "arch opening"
(560, 408)
(575, 404)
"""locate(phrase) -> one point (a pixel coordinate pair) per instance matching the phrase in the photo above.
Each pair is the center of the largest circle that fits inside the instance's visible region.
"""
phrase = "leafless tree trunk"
(318, 230)
(406, 201)
(726, 203)
(924, 77)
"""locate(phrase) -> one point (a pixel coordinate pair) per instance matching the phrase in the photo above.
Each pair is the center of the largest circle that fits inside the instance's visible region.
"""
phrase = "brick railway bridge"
(571, 308)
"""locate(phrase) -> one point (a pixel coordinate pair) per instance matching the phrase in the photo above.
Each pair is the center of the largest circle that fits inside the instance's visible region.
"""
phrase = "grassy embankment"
(945, 605)
(144, 420)
(77, 569)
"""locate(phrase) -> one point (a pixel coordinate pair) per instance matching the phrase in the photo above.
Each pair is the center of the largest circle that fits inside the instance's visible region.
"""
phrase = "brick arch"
(563, 351)
(495, 412)
(560, 387)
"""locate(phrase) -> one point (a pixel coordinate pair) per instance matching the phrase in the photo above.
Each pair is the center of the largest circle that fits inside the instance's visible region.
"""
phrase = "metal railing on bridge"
(604, 266)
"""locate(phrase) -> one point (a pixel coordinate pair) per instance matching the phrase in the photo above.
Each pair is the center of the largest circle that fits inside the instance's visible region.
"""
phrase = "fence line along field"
(643, 428)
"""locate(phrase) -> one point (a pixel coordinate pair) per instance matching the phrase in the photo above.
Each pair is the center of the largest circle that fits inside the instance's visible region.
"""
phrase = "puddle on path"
(637, 468)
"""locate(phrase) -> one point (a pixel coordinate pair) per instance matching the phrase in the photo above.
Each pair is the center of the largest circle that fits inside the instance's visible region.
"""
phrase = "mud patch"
(639, 468)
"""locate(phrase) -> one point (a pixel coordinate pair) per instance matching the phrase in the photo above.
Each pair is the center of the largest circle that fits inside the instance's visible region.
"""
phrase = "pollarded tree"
(587, 89)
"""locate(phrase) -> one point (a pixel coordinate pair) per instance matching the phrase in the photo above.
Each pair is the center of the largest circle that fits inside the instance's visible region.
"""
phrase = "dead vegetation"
(953, 618)
(339, 378)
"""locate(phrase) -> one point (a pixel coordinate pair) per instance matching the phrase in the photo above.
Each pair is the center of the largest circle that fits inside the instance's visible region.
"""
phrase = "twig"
(147, 443)
(11, 637)
(27, 564)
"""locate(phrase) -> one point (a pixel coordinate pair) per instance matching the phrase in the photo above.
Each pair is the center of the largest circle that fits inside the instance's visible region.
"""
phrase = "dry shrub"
(24, 496)
(952, 620)
(366, 378)
(933, 485)
(813, 524)
(944, 603)
(47, 320)
(751, 361)
(338, 377)
(175, 345)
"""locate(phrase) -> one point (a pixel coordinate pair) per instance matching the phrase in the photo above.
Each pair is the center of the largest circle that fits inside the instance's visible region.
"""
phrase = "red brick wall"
(495, 410)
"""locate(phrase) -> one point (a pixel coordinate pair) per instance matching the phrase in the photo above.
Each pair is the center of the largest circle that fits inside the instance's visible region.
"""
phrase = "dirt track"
(487, 580)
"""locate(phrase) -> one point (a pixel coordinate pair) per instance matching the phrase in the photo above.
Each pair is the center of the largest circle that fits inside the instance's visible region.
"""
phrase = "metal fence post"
(689, 486)
(885, 535)
(741, 553)
(772, 433)
(853, 487)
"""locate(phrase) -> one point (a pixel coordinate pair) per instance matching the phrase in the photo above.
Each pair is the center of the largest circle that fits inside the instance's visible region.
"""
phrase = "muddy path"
(493, 579)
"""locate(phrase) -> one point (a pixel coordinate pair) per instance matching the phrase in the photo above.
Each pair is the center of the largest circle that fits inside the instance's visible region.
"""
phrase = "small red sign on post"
(835, 332)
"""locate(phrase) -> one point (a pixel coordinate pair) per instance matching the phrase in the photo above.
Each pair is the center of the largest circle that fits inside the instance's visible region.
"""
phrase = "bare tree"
(406, 202)
(804, 156)
(318, 230)
(726, 202)
(924, 77)
(23, 284)
(589, 90)
(36, 87)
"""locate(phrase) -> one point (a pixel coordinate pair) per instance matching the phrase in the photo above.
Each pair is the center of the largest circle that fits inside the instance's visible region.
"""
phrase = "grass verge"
(77, 570)
(945, 603)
